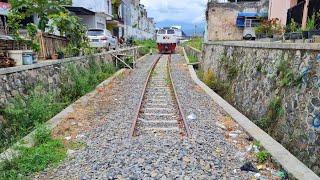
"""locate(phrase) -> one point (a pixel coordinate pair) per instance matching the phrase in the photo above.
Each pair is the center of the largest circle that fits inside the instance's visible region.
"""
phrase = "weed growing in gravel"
(168, 81)
(46, 152)
(262, 156)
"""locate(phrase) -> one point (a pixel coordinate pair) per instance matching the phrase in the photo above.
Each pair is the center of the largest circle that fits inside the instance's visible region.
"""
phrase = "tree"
(43, 8)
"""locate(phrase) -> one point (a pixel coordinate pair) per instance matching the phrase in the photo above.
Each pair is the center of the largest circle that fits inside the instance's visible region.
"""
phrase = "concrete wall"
(259, 79)
(221, 19)
(278, 9)
(102, 6)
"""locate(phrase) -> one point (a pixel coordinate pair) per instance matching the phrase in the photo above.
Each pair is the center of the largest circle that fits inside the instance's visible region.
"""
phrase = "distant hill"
(188, 28)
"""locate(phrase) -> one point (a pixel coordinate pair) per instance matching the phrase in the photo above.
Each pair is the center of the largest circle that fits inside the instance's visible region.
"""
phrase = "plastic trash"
(248, 166)
(192, 116)
(257, 175)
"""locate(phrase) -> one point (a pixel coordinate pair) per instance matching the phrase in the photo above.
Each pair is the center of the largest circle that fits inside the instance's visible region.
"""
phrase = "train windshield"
(162, 31)
(170, 31)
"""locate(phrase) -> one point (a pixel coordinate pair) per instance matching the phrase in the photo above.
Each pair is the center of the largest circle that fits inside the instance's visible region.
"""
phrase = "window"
(162, 31)
(170, 31)
(95, 32)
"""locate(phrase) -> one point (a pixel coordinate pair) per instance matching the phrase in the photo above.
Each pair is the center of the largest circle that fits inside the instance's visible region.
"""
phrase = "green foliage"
(14, 19)
(192, 59)
(77, 81)
(42, 8)
(262, 156)
(23, 113)
(67, 24)
(293, 26)
(221, 87)
(229, 66)
(311, 22)
(257, 143)
(195, 43)
(286, 75)
(275, 111)
(42, 134)
(147, 45)
(30, 160)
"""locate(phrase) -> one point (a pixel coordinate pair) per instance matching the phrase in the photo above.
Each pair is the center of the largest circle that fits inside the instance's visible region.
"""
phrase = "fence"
(50, 44)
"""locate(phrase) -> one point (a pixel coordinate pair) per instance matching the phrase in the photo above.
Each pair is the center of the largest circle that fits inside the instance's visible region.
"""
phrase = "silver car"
(102, 38)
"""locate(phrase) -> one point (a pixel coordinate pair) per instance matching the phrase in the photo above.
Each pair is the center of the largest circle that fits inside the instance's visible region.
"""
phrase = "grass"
(195, 43)
(24, 112)
(262, 156)
(223, 88)
(275, 111)
(46, 152)
(192, 59)
(147, 45)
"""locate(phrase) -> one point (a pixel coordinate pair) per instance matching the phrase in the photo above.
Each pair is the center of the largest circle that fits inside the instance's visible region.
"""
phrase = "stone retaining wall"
(277, 86)
(16, 81)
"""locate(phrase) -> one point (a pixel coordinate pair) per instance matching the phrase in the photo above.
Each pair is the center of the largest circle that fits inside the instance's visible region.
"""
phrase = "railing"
(50, 44)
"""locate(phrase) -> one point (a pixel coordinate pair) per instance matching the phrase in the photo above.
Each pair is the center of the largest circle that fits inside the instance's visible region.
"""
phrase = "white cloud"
(188, 11)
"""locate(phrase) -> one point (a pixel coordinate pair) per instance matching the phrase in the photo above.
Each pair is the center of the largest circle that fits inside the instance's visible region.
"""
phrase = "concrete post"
(305, 14)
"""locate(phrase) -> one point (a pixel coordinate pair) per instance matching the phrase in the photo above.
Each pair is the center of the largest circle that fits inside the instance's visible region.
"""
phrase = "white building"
(93, 13)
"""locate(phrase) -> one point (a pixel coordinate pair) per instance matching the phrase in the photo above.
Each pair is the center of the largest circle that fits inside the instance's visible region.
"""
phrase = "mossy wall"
(277, 87)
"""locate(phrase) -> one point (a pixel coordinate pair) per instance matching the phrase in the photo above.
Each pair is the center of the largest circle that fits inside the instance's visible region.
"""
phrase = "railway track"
(159, 112)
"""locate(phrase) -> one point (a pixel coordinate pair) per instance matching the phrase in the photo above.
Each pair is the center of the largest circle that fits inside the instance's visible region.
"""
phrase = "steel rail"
(182, 115)
(134, 121)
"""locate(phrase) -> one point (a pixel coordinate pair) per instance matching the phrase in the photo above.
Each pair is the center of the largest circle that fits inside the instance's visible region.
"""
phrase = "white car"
(102, 38)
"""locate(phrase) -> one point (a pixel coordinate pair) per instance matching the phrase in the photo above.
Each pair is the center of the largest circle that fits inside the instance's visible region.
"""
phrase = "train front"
(166, 41)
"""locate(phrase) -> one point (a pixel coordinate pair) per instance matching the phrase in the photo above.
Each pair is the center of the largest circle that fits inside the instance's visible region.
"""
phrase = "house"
(131, 21)
(227, 20)
(93, 13)
(297, 10)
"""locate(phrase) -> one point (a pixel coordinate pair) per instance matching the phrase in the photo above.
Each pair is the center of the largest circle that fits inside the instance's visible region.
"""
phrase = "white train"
(167, 40)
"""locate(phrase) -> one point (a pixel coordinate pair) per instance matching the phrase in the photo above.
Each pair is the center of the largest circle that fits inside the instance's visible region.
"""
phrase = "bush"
(24, 112)
(47, 152)
(78, 81)
(220, 87)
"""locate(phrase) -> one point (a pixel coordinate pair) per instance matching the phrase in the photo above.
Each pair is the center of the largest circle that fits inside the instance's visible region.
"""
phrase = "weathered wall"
(263, 72)
(221, 18)
(16, 81)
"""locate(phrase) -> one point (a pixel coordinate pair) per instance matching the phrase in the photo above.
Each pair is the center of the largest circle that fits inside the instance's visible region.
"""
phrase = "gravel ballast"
(109, 154)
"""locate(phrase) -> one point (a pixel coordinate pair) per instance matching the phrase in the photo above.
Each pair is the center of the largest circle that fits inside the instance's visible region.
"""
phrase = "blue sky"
(175, 12)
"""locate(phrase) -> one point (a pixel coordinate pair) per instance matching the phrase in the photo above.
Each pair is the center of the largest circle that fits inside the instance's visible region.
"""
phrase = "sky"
(186, 12)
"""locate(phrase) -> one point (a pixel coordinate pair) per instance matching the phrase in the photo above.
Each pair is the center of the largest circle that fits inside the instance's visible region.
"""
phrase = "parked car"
(102, 38)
